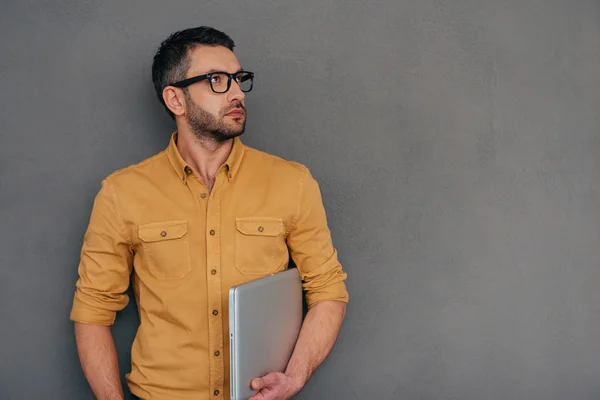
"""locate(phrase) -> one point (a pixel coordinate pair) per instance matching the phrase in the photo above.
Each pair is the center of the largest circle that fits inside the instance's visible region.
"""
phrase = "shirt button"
(215, 312)
(188, 170)
(216, 392)
(217, 353)
(203, 195)
(260, 229)
(213, 271)
(212, 232)
(163, 234)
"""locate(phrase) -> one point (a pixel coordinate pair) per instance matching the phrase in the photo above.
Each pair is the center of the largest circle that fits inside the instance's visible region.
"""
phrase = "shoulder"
(139, 173)
(271, 164)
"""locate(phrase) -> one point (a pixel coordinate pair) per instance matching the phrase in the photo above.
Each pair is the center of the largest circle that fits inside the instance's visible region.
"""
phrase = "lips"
(240, 113)
(236, 113)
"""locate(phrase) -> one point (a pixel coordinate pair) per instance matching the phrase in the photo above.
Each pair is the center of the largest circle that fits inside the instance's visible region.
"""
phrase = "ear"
(174, 99)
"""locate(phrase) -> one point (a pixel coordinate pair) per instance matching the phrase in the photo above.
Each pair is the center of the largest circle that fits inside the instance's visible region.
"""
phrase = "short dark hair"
(172, 61)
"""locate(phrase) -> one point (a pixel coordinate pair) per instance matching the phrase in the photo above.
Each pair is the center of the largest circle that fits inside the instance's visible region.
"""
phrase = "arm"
(310, 245)
(317, 337)
(104, 270)
(98, 357)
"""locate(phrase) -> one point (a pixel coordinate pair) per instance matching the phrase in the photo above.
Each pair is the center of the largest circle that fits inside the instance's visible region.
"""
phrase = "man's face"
(210, 115)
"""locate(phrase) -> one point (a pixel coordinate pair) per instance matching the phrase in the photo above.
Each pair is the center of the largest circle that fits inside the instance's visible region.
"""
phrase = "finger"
(263, 395)
(258, 396)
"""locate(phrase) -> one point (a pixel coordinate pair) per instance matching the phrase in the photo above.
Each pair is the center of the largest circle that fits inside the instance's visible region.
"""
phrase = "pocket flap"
(158, 231)
(259, 226)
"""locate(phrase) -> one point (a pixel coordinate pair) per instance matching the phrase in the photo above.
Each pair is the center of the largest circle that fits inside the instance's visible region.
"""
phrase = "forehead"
(212, 58)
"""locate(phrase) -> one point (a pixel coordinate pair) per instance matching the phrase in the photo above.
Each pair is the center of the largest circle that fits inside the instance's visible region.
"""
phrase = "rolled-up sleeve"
(311, 248)
(105, 264)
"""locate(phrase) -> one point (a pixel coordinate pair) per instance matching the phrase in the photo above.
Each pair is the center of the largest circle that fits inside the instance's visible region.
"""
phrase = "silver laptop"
(265, 317)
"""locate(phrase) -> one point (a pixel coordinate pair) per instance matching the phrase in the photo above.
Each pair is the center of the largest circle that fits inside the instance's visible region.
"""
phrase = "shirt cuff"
(334, 292)
(84, 313)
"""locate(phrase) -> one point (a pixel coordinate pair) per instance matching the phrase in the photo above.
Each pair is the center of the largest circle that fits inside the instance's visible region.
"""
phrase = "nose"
(235, 92)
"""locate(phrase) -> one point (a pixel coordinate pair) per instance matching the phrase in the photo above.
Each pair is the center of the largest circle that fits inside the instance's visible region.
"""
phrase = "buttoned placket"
(214, 285)
(212, 205)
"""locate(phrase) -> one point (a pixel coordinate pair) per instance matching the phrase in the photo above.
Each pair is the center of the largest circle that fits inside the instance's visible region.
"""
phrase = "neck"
(204, 156)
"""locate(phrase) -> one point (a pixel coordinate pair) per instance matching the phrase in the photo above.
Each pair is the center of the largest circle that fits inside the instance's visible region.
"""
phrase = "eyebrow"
(218, 70)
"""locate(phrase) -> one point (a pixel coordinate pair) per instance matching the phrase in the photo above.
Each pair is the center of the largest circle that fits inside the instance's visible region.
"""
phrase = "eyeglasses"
(220, 82)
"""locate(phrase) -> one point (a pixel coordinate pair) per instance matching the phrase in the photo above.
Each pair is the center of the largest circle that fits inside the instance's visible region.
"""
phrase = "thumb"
(268, 380)
(257, 384)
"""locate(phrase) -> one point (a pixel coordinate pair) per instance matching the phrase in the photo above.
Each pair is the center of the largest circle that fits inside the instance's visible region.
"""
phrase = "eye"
(215, 79)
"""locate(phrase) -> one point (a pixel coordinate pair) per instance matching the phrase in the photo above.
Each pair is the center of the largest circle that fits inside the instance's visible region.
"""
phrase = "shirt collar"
(232, 164)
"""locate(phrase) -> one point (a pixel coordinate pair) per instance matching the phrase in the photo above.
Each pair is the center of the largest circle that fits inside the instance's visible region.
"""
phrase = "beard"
(206, 126)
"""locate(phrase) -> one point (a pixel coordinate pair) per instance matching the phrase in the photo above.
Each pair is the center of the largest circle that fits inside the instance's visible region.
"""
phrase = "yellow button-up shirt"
(184, 247)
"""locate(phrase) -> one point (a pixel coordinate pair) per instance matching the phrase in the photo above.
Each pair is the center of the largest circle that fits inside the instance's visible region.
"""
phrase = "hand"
(275, 386)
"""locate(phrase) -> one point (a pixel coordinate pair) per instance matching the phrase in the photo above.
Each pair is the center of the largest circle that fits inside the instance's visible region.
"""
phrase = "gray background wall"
(458, 148)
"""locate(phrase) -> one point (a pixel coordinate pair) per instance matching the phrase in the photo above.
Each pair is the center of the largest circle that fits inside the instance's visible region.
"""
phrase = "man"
(206, 214)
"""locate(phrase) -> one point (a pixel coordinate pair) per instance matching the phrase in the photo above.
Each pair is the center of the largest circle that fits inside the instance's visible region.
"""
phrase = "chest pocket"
(260, 246)
(166, 249)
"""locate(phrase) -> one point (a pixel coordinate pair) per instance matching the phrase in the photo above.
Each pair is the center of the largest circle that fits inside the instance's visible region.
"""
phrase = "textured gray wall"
(458, 148)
